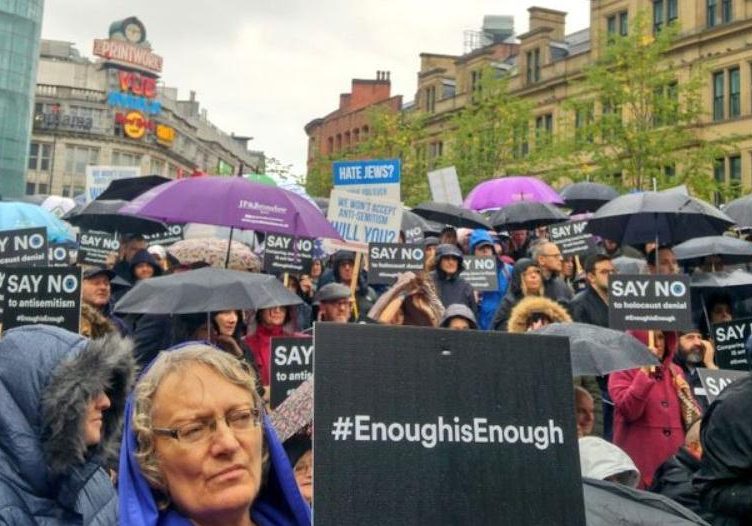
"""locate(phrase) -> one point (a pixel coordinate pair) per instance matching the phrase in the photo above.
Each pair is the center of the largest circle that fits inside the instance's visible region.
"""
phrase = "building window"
(714, 17)
(712, 8)
(669, 171)
(734, 93)
(533, 65)
(31, 188)
(338, 142)
(624, 23)
(39, 156)
(521, 146)
(347, 139)
(718, 96)
(727, 81)
(435, 151)
(366, 130)
(735, 176)
(583, 120)
(727, 14)
(544, 127)
(430, 99)
(728, 174)
(156, 166)
(125, 158)
(356, 135)
(77, 158)
(664, 12)
(611, 26)
(617, 23)
(330, 145)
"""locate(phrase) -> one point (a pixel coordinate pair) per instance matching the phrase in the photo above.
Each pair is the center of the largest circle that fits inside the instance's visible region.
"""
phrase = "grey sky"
(266, 67)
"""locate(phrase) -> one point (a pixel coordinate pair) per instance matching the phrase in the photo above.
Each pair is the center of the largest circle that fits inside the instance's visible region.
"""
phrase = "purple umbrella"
(233, 202)
(503, 191)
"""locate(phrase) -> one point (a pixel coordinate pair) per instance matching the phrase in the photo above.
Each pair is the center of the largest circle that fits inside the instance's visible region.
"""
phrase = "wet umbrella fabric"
(206, 290)
(131, 187)
(739, 280)
(15, 215)
(732, 250)
(214, 252)
(740, 210)
(503, 191)
(106, 217)
(587, 196)
(597, 351)
(670, 217)
(527, 215)
(295, 412)
(453, 215)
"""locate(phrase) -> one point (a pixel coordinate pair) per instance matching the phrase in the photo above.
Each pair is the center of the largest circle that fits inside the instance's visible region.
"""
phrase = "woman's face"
(274, 316)
(304, 475)
(568, 267)
(315, 268)
(660, 344)
(219, 477)
(143, 271)
(532, 280)
(226, 321)
(94, 418)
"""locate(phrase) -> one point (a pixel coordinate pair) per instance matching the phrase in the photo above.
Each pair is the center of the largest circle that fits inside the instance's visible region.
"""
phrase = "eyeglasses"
(201, 430)
(552, 255)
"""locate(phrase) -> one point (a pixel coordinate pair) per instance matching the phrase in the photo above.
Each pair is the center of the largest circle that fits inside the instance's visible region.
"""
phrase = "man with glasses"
(549, 259)
(334, 303)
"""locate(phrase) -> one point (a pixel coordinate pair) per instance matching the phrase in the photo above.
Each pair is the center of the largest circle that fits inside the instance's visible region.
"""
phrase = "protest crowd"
(148, 378)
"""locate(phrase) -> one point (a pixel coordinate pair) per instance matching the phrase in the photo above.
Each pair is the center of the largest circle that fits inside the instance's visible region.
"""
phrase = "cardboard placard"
(387, 260)
(480, 272)
(61, 256)
(395, 411)
(445, 186)
(571, 238)
(98, 178)
(377, 178)
(24, 247)
(284, 253)
(171, 235)
(94, 247)
(730, 338)
(49, 295)
(291, 365)
(638, 301)
(714, 381)
(361, 220)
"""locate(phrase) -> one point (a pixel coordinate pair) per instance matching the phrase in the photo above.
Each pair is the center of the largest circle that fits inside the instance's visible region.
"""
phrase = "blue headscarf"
(278, 503)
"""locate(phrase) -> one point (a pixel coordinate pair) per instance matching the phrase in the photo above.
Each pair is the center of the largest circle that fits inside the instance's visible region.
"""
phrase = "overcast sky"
(265, 68)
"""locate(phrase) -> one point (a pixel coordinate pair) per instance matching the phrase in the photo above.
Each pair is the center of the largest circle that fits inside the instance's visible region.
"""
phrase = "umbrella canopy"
(597, 351)
(739, 280)
(106, 216)
(732, 250)
(670, 217)
(15, 215)
(57, 205)
(131, 187)
(587, 196)
(740, 210)
(233, 202)
(206, 290)
(214, 252)
(527, 215)
(453, 215)
(295, 412)
(503, 191)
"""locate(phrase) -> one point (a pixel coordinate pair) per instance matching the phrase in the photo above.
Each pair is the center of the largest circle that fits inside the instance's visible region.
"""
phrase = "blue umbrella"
(15, 215)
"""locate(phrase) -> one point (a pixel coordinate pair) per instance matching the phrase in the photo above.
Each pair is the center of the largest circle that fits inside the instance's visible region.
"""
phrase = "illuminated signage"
(165, 134)
(134, 102)
(131, 82)
(127, 53)
(134, 124)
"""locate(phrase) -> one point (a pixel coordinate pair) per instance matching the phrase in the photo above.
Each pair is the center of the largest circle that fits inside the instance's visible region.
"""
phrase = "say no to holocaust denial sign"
(287, 254)
(387, 260)
(571, 238)
(480, 272)
(649, 302)
(24, 247)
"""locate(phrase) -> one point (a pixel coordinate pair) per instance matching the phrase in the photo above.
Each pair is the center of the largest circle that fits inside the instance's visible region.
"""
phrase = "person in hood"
(199, 450)
(62, 398)
(601, 460)
(342, 271)
(458, 317)
(144, 266)
(534, 312)
(652, 407)
(299, 450)
(526, 281)
(450, 287)
(482, 244)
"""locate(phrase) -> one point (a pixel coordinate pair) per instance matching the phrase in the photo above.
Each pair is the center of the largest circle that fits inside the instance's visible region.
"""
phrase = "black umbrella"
(732, 250)
(587, 196)
(527, 215)
(740, 210)
(453, 215)
(668, 217)
(206, 290)
(129, 188)
(104, 216)
(597, 351)
(736, 284)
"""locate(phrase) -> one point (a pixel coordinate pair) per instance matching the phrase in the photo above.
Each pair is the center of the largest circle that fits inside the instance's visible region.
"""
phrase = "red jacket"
(647, 414)
(260, 343)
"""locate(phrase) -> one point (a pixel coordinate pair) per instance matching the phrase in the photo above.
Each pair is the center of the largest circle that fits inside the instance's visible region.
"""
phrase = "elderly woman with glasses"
(198, 450)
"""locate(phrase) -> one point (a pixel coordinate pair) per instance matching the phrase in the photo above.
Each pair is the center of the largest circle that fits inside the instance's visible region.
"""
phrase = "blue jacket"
(278, 503)
(490, 300)
(47, 473)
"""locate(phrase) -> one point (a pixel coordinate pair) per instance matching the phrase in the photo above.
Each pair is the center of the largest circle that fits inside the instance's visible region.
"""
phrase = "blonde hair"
(233, 370)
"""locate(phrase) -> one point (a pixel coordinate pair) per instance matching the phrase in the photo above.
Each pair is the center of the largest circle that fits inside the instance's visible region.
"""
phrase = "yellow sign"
(165, 134)
(134, 125)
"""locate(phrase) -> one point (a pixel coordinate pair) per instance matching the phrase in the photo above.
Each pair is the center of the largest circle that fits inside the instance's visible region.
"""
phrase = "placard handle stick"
(711, 334)
(354, 283)
(651, 344)
(577, 265)
(285, 279)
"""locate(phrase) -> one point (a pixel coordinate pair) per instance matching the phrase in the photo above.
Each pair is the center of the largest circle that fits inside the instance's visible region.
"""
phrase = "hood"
(671, 342)
(144, 256)
(600, 459)
(479, 237)
(458, 310)
(446, 250)
(530, 305)
(50, 375)
(278, 503)
(519, 269)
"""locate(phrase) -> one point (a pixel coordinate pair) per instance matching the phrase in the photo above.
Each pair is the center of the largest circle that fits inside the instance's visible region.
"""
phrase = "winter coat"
(259, 341)
(556, 288)
(529, 305)
(724, 479)
(452, 289)
(512, 297)
(647, 415)
(588, 307)
(692, 376)
(47, 473)
(278, 502)
(490, 300)
(674, 480)
(151, 333)
(365, 296)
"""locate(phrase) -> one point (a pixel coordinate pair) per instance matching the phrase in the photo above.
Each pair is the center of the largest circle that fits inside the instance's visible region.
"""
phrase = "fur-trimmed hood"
(47, 377)
(530, 305)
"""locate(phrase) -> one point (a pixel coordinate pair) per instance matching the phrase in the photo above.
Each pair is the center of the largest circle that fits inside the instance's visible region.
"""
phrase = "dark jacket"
(144, 256)
(674, 480)
(588, 307)
(692, 376)
(47, 473)
(724, 479)
(490, 300)
(452, 289)
(556, 288)
(514, 294)
(365, 296)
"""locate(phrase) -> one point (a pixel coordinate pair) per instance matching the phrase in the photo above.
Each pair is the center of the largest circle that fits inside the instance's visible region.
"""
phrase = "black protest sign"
(49, 295)
(714, 381)
(395, 411)
(94, 247)
(730, 338)
(637, 301)
(387, 260)
(291, 365)
(287, 254)
(414, 235)
(61, 256)
(480, 272)
(25, 247)
(171, 235)
(571, 238)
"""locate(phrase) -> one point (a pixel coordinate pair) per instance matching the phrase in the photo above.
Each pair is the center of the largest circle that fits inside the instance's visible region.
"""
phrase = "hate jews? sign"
(649, 302)
(292, 364)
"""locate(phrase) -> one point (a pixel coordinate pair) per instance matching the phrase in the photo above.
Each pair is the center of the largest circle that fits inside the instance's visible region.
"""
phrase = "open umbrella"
(214, 252)
(740, 210)
(666, 217)
(131, 187)
(732, 250)
(106, 216)
(15, 215)
(295, 412)
(587, 196)
(206, 290)
(502, 191)
(527, 215)
(453, 215)
(57, 205)
(597, 351)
